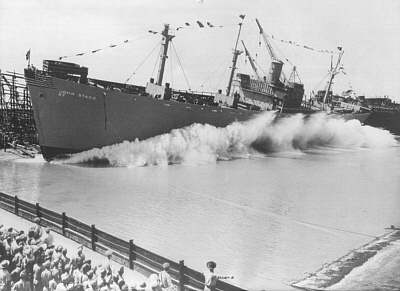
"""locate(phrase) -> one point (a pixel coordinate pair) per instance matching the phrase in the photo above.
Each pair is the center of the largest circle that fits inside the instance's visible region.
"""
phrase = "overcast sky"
(369, 32)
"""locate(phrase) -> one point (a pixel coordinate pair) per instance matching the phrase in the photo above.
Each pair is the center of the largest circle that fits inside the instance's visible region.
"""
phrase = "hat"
(64, 277)
(36, 220)
(59, 248)
(165, 266)
(211, 265)
(108, 253)
(85, 267)
(4, 264)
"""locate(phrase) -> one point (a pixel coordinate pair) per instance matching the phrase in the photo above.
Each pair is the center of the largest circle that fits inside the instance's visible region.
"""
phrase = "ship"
(75, 113)
(385, 113)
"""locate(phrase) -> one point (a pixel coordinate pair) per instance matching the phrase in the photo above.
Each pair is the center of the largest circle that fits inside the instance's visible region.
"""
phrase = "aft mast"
(236, 53)
(166, 39)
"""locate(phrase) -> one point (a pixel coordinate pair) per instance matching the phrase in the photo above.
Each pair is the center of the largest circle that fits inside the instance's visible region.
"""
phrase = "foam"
(204, 143)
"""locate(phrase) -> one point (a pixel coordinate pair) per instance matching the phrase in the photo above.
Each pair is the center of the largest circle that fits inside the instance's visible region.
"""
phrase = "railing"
(126, 253)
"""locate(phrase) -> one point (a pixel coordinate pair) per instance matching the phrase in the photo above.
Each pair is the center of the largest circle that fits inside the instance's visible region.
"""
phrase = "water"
(268, 202)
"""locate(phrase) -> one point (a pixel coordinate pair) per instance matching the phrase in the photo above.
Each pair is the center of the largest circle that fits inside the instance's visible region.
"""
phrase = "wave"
(204, 143)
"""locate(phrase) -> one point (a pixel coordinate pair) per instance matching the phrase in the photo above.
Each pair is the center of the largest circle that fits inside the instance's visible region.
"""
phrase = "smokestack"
(275, 71)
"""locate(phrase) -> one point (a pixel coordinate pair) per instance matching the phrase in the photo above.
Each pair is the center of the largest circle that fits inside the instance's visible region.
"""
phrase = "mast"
(236, 53)
(253, 65)
(166, 39)
(333, 73)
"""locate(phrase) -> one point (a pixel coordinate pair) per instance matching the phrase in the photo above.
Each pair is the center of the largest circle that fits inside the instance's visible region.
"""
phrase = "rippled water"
(266, 219)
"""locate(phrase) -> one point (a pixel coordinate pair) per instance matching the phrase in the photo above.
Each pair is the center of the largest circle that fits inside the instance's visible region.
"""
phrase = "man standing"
(165, 278)
(5, 277)
(211, 278)
(23, 284)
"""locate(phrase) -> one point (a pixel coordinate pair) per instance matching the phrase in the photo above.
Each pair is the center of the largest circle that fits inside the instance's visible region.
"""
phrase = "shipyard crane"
(271, 51)
(253, 65)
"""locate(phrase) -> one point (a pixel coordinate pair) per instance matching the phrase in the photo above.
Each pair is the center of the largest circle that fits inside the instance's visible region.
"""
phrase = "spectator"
(165, 278)
(211, 278)
(48, 240)
(5, 277)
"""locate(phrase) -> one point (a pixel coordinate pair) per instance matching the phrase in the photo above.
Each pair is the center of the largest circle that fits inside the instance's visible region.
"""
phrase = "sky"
(368, 31)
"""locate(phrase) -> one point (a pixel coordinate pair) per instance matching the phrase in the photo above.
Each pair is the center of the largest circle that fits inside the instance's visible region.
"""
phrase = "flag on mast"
(242, 16)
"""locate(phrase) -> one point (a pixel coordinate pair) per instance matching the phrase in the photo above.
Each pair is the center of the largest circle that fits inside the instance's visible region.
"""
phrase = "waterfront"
(266, 218)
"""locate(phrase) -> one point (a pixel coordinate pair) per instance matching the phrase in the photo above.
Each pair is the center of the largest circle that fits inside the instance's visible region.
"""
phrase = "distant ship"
(385, 113)
(74, 113)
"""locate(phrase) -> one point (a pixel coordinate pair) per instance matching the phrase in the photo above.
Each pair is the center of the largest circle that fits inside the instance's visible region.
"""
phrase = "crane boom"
(253, 65)
(267, 43)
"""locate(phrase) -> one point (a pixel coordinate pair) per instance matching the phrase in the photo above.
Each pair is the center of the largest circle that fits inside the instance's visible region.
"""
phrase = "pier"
(126, 253)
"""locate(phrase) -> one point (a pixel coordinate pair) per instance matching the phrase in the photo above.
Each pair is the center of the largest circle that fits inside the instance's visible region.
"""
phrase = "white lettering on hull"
(63, 93)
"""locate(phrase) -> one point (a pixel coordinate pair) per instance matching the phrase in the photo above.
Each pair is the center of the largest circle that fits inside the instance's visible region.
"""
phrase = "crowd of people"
(30, 261)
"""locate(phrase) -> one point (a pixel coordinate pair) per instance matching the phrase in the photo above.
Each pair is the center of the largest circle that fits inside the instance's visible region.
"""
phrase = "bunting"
(96, 50)
(199, 24)
(291, 42)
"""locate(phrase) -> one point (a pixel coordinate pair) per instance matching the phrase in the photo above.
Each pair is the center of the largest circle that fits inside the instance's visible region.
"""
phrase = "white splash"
(203, 143)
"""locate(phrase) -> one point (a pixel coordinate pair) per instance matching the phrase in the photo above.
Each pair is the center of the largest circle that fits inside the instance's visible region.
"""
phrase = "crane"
(267, 43)
(277, 63)
(253, 65)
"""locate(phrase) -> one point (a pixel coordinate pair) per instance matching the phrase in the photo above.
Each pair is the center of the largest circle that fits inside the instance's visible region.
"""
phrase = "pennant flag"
(113, 45)
(187, 23)
(81, 54)
(28, 54)
(242, 16)
(125, 41)
(153, 32)
(180, 27)
(95, 51)
(209, 24)
(201, 25)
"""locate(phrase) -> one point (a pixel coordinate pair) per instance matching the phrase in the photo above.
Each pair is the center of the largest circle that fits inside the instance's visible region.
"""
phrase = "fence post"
(181, 275)
(93, 232)
(38, 210)
(132, 255)
(16, 205)
(64, 223)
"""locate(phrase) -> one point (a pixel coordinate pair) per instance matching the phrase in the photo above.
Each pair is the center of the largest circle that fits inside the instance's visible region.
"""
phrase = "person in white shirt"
(48, 239)
(165, 278)
(211, 278)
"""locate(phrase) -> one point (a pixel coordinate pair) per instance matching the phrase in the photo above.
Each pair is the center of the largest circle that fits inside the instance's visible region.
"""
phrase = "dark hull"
(385, 120)
(72, 117)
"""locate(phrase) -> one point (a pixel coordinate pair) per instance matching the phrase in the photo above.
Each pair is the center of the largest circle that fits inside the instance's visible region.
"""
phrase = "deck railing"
(126, 253)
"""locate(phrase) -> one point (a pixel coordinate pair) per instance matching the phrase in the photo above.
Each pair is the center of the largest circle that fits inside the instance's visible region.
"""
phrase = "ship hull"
(72, 117)
(386, 120)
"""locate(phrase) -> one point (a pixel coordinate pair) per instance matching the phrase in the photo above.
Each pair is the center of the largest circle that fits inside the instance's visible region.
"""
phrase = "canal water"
(267, 201)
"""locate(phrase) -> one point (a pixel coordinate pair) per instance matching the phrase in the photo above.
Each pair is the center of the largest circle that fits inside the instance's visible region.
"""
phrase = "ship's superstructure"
(270, 92)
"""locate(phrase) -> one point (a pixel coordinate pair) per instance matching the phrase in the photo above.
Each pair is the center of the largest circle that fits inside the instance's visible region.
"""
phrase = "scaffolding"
(17, 126)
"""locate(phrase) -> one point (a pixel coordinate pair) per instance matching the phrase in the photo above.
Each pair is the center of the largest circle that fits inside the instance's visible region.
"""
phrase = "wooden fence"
(126, 253)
